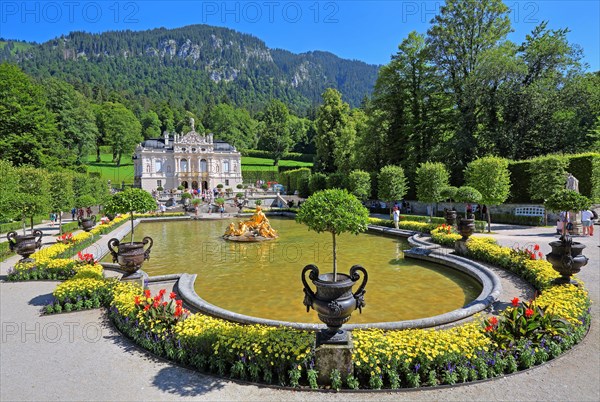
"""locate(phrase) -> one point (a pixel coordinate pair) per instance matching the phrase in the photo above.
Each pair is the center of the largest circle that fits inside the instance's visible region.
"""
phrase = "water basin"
(263, 279)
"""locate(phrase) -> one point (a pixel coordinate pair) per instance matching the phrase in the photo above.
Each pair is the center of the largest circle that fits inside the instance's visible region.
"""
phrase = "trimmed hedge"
(520, 183)
(296, 179)
(586, 168)
(5, 251)
(292, 156)
(16, 226)
(251, 176)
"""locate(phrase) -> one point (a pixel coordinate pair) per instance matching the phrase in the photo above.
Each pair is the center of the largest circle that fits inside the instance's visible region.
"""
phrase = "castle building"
(193, 161)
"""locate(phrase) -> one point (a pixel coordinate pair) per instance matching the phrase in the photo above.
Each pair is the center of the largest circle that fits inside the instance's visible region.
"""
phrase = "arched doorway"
(195, 185)
(184, 184)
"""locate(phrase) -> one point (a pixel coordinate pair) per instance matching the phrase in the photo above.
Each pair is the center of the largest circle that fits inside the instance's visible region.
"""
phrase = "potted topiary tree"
(84, 202)
(566, 256)
(469, 195)
(130, 256)
(334, 211)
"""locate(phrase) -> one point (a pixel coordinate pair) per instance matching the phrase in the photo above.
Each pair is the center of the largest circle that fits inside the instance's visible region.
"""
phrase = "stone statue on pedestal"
(572, 183)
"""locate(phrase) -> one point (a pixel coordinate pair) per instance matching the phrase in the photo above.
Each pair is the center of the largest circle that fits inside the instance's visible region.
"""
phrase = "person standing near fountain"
(396, 215)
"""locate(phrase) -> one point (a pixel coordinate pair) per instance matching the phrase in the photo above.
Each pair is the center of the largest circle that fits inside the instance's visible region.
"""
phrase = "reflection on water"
(263, 279)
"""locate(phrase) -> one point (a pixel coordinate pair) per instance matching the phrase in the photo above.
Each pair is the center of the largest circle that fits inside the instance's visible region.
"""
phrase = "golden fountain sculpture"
(257, 228)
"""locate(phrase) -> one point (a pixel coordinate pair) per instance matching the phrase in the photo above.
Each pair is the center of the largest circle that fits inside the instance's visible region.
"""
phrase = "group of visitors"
(588, 217)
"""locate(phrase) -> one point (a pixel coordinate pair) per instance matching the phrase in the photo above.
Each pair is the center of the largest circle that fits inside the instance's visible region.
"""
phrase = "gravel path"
(79, 356)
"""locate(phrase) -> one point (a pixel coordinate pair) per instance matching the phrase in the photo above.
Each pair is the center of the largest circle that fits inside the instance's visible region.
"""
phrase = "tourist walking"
(73, 213)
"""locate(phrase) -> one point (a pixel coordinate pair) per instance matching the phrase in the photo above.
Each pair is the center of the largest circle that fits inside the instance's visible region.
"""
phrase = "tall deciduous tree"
(336, 134)
(276, 137)
(120, 128)
(233, 125)
(431, 179)
(28, 133)
(461, 34)
(491, 177)
(75, 120)
(150, 125)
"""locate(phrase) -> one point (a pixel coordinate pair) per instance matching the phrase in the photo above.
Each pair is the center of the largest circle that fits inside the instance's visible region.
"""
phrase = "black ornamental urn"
(25, 245)
(566, 258)
(466, 227)
(130, 256)
(334, 302)
(87, 223)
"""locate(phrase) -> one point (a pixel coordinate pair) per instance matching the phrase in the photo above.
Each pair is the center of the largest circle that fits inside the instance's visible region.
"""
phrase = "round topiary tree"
(449, 193)
(85, 201)
(491, 177)
(335, 211)
(468, 195)
(130, 201)
(359, 184)
(431, 178)
(391, 184)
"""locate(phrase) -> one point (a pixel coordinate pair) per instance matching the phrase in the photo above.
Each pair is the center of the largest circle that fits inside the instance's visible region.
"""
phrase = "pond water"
(263, 279)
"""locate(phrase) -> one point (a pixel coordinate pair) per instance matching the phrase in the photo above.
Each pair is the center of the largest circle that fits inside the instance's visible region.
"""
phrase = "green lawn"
(109, 171)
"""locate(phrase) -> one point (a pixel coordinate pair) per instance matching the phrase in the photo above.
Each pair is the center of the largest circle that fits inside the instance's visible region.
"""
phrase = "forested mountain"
(193, 65)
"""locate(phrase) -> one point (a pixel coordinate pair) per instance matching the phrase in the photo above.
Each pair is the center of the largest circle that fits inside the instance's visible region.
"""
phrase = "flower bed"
(255, 352)
(445, 235)
(54, 262)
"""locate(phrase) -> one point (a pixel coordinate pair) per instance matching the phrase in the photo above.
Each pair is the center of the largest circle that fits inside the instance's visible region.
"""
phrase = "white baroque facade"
(192, 160)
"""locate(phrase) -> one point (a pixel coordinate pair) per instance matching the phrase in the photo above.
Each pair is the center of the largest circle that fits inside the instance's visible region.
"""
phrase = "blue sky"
(364, 30)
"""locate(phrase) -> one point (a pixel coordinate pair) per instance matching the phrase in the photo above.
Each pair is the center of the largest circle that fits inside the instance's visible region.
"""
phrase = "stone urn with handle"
(566, 259)
(87, 223)
(25, 245)
(131, 255)
(334, 301)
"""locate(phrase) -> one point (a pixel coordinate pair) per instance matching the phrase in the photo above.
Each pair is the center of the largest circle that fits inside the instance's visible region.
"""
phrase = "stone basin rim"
(490, 282)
